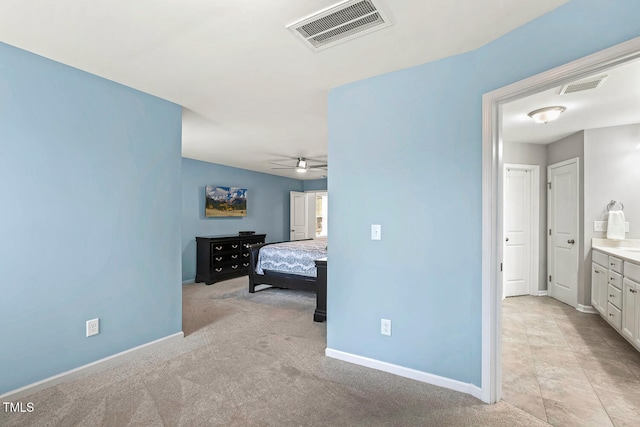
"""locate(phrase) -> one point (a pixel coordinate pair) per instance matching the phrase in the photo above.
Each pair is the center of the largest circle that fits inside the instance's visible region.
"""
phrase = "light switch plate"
(376, 232)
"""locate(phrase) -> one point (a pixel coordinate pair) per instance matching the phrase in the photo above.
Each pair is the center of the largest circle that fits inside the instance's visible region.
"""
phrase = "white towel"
(615, 227)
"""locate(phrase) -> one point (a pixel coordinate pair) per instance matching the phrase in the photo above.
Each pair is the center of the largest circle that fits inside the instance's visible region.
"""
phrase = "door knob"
(571, 241)
(506, 240)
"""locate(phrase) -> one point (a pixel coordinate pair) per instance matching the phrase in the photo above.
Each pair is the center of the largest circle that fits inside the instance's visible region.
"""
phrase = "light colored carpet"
(252, 360)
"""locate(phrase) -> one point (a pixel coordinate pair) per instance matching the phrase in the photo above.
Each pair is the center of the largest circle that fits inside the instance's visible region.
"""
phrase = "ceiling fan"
(302, 165)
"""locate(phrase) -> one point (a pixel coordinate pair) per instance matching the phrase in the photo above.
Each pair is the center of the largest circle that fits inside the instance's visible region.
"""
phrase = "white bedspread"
(295, 257)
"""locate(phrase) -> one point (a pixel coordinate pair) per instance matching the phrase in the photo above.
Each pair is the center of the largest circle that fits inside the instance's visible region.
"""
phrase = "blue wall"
(89, 225)
(315, 185)
(267, 206)
(405, 152)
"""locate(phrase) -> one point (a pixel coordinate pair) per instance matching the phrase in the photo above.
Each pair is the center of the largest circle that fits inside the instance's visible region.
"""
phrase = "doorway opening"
(309, 214)
(492, 228)
(321, 214)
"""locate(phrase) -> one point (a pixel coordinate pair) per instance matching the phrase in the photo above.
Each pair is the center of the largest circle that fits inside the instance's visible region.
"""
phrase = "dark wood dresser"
(223, 257)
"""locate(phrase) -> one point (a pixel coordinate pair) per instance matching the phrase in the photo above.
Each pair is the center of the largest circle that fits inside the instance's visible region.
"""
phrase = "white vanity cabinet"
(599, 281)
(631, 304)
(615, 286)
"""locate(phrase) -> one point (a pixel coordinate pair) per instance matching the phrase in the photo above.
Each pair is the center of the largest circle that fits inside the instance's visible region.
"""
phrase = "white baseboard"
(188, 281)
(424, 377)
(582, 308)
(587, 309)
(85, 369)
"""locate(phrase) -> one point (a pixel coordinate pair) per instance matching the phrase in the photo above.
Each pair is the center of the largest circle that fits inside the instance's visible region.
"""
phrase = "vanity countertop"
(628, 250)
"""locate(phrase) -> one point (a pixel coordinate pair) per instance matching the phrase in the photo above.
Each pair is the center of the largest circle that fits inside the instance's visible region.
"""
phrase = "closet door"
(517, 232)
(563, 239)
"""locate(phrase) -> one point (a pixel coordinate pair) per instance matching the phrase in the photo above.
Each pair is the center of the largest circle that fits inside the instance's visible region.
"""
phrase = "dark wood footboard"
(320, 314)
(292, 281)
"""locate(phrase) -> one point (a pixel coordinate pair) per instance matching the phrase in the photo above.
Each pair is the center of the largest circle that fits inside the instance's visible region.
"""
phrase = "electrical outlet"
(93, 327)
(385, 327)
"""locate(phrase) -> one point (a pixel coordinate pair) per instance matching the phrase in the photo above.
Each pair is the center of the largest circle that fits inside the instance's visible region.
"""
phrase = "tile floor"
(567, 368)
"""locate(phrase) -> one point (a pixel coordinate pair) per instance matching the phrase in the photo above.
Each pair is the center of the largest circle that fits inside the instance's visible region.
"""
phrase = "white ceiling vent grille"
(339, 23)
(579, 86)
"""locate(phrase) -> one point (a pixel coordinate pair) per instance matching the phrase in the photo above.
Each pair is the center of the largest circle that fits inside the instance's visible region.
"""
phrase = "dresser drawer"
(225, 247)
(615, 279)
(225, 257)
(614, 316)
(226, 268)
(251, 241)
(600, 258)
(614, 296)
(615, 264)
(632, 271)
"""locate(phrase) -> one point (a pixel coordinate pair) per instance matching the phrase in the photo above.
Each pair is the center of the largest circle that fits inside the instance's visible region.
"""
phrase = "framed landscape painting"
(225, 201)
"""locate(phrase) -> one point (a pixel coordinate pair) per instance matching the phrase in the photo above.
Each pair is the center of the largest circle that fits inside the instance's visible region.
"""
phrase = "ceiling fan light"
(547, 114)
(301, 165)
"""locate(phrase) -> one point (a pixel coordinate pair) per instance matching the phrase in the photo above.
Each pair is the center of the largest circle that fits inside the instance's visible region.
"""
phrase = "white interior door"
(517, 232)
(298, 215)
(563, 231)
(311, 215)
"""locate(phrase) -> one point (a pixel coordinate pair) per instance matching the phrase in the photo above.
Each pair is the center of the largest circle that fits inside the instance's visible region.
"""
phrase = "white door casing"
(517, 231)
(492, 238)
(563, 238)
(298, 215)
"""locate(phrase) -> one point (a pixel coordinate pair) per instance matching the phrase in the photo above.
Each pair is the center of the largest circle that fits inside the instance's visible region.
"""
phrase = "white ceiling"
(615, 102)
(252, 93)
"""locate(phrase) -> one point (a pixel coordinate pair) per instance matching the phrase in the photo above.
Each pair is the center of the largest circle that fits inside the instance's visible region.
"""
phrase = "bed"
(300, 264)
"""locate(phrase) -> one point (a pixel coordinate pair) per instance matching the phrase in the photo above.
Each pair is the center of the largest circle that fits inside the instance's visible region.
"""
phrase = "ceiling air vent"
(579, 86)
(339, 23)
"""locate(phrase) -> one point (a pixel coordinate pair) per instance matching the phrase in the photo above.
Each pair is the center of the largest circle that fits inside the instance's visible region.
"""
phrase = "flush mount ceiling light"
(546, 114)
